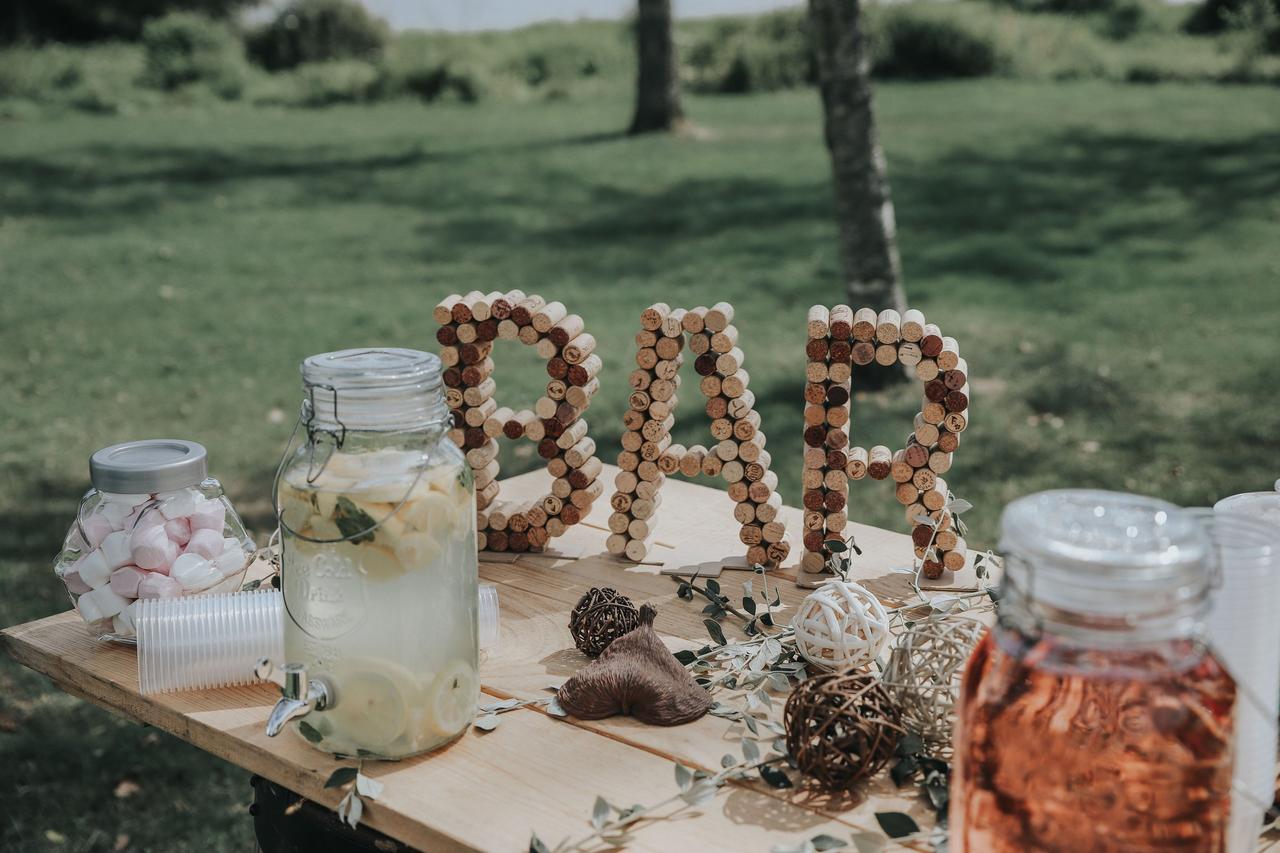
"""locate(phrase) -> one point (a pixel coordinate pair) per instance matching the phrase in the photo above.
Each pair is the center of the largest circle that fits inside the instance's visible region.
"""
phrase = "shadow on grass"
(1014, 217)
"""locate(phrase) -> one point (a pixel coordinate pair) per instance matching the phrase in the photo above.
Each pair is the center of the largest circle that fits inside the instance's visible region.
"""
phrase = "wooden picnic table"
(534, 772)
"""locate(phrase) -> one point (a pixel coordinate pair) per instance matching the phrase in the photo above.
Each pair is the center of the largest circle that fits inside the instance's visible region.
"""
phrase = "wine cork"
(840, 322)
(858, 462)
(936, 498)
(694, 319)
(886, 355)
(583, 373)
(579, 396)
(724, 341)
(819, 321)
(909, 354)
(651, 318)
(888, 326)
(691, 462)
(545, 349)
(639, 528)
(673, 324)
(865, 321)
(668, 350)
(879, 459)
(522, 312)
(443, 312)
(669, 461)
(730, 362)
(565, 330)
(711, 465)
(770, 509)
(637, 550)
(548, 316)
(570, 438)
(718, 316)
(949, 356)
(913, 324)
(476, 416)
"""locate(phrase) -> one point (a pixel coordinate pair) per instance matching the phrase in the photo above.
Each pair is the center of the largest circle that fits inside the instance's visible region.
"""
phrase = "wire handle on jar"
(306, 415)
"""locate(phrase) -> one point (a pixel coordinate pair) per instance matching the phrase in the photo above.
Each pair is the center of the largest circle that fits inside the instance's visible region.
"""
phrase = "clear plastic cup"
(488, 616)
(204, 641)
(1245, 633)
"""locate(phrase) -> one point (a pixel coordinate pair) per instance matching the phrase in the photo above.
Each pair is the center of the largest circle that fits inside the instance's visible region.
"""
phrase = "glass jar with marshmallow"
(154, 525)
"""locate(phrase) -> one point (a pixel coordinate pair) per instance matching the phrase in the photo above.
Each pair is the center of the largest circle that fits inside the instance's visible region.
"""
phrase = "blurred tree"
(658, 81)
(864, 209)
(318, 31)
(93, 20)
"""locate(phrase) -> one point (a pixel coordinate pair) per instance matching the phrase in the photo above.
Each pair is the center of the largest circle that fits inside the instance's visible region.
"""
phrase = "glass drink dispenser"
(377, 517)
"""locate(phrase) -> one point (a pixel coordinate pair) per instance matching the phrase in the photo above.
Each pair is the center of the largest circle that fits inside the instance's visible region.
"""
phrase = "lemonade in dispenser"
(377, 518)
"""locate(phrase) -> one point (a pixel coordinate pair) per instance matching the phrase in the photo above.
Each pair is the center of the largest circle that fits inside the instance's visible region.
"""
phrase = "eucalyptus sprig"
(359, 788)
(755, 615)
(614, 825)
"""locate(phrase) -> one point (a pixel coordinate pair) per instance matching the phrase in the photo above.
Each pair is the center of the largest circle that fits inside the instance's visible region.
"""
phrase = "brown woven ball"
(600, 617)
(841, 728)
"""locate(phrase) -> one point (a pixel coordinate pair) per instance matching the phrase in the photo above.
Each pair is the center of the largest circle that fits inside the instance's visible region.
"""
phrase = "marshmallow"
(122, 624)
(208, 516)
(102, 601)
(75, 583)
(93, 568)
(178, 530)
(232, 558)
(115, 548)
(194, 572)
(207, 543)
(179, 504)
(88, 608)
(152, 549)
(125, 622)
(124, 581)
(115, 513)
(95, 527)
(155, 585)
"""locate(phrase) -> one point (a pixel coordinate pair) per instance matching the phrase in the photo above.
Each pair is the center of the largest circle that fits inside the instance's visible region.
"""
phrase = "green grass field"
(1106, 255)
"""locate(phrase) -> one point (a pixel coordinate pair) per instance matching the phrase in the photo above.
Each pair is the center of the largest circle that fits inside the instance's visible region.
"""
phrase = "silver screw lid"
(148, 466)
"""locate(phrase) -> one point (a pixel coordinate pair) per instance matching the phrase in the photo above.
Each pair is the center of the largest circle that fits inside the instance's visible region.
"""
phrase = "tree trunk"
(864, 209)
(658, 83)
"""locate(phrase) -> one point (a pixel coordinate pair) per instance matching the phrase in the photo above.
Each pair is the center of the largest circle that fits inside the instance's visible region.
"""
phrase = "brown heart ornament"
(638, 676)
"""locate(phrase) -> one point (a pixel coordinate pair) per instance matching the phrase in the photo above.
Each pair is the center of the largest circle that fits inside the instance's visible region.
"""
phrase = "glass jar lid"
(377, 389)
(1107, 553)
(148, 466)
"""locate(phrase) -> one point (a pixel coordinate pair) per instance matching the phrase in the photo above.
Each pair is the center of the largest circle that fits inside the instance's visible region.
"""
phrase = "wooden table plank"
(482, 792)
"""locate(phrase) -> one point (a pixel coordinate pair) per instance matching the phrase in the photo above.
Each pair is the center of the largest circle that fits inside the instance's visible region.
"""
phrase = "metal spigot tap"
(299, 695)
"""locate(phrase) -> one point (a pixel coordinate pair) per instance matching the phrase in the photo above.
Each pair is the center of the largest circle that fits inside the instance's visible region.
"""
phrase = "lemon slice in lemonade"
(372, 702)
(451, 700)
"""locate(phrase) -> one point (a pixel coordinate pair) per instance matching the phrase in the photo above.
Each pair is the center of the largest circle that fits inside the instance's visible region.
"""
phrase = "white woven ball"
(840, 625)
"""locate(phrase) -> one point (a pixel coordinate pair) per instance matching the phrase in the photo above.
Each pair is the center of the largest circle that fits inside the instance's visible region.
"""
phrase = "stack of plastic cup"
(1244, 631)
(488, 616)
(203, 641)
(206, 641)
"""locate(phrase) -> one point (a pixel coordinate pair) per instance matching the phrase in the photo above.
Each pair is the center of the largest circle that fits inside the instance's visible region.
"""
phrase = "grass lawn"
(1106, 255)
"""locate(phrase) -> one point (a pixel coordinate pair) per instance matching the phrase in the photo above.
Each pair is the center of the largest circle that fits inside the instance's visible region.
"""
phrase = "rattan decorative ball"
(841, 625)
(924, 673)
(600, 617)
(841, 728)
